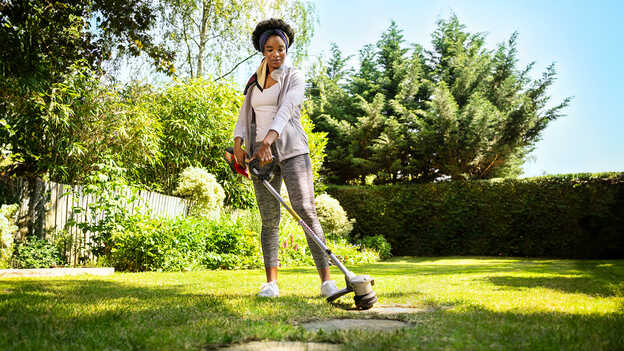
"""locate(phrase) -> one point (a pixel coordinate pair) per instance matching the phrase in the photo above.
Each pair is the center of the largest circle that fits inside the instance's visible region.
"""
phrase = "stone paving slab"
(283, 346)
(55, 272)
(348, 324)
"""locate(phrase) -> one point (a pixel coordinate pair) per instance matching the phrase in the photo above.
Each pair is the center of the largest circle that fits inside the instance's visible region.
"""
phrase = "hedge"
(562, 216)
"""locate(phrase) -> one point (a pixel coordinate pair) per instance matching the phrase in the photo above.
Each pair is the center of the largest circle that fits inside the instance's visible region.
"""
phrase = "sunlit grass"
(478, 304)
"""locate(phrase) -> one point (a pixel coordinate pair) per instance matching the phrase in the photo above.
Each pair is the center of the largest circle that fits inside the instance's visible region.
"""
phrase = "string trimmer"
(361, 285)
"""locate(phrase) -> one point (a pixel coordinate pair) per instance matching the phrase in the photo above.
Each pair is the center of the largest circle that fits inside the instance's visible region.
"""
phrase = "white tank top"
(264, 104)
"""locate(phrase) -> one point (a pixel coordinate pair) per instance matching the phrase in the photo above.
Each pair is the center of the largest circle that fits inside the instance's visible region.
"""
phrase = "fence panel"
(60, 199)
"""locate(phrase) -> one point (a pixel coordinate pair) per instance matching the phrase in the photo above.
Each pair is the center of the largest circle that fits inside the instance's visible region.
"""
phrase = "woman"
(270, 128)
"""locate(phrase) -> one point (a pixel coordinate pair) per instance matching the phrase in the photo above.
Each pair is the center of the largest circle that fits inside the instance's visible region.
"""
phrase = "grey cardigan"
(292, 140)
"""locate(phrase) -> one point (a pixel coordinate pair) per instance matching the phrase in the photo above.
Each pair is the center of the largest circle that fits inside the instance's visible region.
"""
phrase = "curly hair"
(273, 23)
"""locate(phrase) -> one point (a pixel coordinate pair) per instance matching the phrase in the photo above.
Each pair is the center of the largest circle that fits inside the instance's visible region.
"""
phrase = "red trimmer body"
(229, 157)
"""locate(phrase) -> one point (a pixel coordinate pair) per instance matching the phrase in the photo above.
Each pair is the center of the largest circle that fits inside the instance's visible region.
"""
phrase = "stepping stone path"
(283, 346)
(339, 324)
(368, 324)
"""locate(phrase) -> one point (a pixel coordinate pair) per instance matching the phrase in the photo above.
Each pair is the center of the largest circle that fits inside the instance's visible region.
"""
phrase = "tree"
(459, 111)
(485, 115)
(40, 43)
(39, 40)
(214, 36)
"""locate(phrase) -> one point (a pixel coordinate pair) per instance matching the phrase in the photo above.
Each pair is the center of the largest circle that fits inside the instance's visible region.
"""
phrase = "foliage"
(379, 243)
(293, 243)
(232, 242)
(198, 118)
(51, 53)
(183, 244)
(202, 189)
(69, 245)
(411, 115)
(571, 216)
(75, 123)
(212, 37)
(40, 39)
(7, 233)
(33, 252)
(110, 212)
(332, 216)
(317, 141)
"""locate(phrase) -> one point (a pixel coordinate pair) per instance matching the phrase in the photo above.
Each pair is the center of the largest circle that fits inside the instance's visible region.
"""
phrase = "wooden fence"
(47, 215)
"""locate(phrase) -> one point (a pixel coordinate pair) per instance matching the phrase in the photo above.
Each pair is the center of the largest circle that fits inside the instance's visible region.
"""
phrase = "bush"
(7, 233)
(332, 216)
(564, 216)
(378, 243)
(109, 212)
(158, 245)
(183, 244)
(202, 189)
(69, 246)
(233, 242)
(198, 118)
(34, 253)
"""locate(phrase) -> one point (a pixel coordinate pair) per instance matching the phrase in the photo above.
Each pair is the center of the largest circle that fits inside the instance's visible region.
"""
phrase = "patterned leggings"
(297, 175)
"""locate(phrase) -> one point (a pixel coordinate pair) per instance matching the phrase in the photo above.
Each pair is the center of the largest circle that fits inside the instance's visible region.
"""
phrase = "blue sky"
(583, 38)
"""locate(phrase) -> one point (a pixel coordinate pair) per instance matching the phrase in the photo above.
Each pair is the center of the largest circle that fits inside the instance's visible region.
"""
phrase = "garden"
(416, 155)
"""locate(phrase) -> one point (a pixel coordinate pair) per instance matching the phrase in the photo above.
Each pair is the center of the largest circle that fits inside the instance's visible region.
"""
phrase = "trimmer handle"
(264, 173)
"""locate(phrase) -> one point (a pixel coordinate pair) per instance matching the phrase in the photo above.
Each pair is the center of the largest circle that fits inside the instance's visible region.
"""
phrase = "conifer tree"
(460, 110)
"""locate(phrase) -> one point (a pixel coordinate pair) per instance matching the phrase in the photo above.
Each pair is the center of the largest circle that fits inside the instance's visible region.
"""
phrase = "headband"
(276, 31)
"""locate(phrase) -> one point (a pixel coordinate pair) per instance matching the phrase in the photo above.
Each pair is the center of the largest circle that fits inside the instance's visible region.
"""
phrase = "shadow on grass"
(476, 328)
(66, 314)
(599, 278)
(100, 314)
(582, 285)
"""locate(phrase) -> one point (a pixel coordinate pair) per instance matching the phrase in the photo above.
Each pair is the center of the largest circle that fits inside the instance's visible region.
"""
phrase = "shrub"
(378, 243)
(34, 253)
(109, 212)
(567, 216)
(332, 216)
(198, 118)
(158, 245)
(232, 242)
(183, 244)
(69, 245)
(317, 142)
(7, 232)
(202, 189)
(293, 246)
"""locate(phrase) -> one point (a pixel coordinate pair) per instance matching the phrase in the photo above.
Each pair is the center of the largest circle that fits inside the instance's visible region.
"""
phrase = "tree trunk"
(202, 39)
(32, 211)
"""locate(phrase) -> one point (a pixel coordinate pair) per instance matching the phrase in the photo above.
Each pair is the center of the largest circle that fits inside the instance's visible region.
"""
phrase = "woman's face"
(274, 51)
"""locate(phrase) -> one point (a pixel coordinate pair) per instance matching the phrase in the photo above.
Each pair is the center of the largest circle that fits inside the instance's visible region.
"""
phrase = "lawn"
(478, 303)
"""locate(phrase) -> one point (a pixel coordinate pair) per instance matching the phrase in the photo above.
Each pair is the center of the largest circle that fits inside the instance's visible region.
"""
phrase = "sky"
(582, 38)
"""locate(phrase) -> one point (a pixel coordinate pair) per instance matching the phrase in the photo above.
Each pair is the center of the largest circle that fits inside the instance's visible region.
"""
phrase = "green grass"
(479, 304)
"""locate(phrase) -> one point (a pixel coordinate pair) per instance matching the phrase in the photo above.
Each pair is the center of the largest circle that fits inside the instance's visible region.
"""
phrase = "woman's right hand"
(240, 155)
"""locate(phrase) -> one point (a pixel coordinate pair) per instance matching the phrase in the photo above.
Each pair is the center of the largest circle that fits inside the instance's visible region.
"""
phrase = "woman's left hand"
(263, 154)
(264, 151)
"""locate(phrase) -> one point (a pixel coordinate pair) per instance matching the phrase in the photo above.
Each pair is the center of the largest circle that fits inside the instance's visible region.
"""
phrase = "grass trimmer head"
(361, 285)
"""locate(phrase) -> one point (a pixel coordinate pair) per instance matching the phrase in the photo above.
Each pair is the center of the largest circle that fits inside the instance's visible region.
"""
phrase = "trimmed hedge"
(563, 216)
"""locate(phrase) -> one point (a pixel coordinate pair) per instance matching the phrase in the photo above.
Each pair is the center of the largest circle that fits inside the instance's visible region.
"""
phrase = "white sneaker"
(329, 288)
(269, 290)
